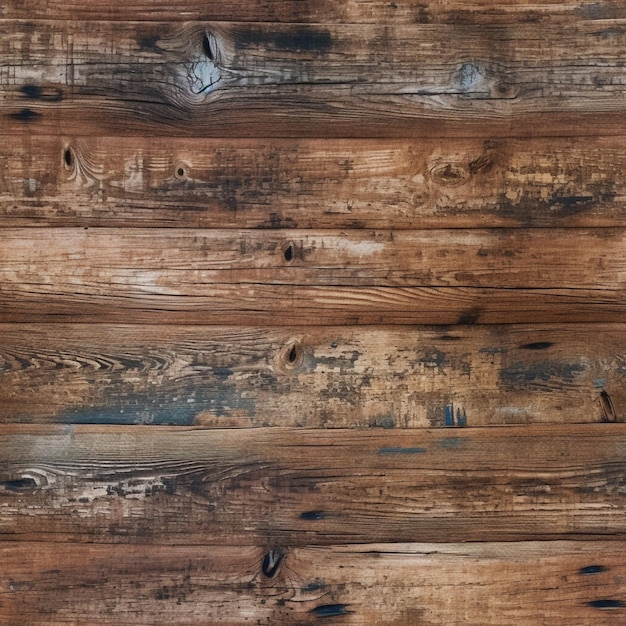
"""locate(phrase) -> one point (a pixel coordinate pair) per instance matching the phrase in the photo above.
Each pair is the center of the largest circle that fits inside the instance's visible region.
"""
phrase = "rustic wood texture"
(220, 183)
(320, 11)
(334, 377)
(311, 487)
(312, 311)
(519, 79)
(389, 584)
(389, 277)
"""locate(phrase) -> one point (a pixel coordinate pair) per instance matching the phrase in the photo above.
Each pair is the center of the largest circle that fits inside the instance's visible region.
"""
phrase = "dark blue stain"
(222, 372)
(316, 585)
(402, 450)
(25, 115)
(19, 484)
(312, 516)
(167, 407)
(461, 418)
(31, 91)
(591, 569)
(606, 603)
(330, 610)
(524, 375)
(449, 415)
(451, 443)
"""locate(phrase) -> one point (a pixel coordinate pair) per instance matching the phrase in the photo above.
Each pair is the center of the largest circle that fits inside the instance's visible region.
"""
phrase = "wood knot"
(271, 562)
(204, 72)
(289, 251)
(68, 158)
(181, 171)
(450, 174)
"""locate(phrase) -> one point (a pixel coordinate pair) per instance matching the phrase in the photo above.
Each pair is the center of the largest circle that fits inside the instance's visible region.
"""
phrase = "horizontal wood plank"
(304, 487)
(321, 11)
(169, 182)
(381, 377)
(224, 79)
(388, 584)
(304, 277)
(188, 261)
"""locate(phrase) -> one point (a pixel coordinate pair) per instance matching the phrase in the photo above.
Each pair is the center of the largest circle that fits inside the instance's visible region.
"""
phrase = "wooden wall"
(312, 311)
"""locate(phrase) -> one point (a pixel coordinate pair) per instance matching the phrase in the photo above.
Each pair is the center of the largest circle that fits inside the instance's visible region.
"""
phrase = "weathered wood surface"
(311, 487)
(249, 277)
(380, 377)
(224, 79)
(321, 11)
(163, 182)
(188, 262)
(391, 584)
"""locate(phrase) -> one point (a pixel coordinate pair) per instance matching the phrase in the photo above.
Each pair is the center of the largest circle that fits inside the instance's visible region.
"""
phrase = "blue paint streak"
(591, 569)
(451, 443)
(402, 450)
(449, 415)
(331, 610)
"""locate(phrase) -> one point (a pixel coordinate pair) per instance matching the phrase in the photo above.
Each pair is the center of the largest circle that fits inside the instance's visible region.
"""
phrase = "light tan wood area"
(312, 312)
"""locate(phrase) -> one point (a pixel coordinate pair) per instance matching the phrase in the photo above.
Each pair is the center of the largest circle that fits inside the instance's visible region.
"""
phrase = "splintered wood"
(312, 311)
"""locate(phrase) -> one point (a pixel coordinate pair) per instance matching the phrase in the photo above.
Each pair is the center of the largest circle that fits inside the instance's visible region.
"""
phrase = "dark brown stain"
(300, 39)
(608, 410)
(48, 94)
(470, 316)
(25, 115)
(537, 345)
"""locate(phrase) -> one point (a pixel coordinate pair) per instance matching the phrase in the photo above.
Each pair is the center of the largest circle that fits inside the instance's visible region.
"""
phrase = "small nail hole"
(206, 46)
(68, 157)
(288, 253)
(180, 171)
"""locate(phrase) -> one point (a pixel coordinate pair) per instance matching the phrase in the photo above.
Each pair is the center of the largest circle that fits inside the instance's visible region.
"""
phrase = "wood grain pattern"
(226, 79)
(390, 584)
(321, 11)
(379, 377)
(218, 183)
(431, 277)
(311, 487)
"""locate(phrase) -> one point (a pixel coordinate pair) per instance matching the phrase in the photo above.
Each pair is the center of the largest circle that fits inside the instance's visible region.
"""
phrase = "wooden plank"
(329, 277)
(382, 377)
(308, 487)
(389, 584)
(227, 79)
(321, 11)
(292, 305)
(134, 182)
(188, 262)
